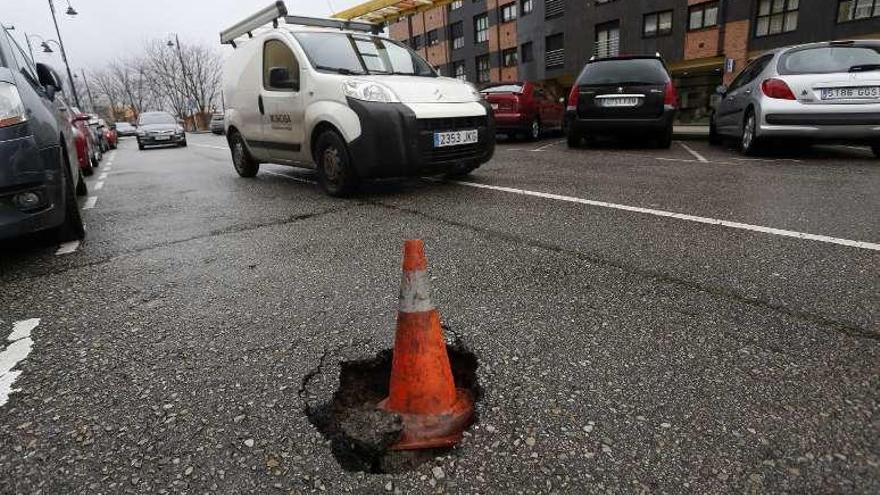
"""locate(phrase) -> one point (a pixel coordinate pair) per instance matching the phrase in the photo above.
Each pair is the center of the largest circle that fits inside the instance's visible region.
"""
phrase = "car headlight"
(11, 107)
(369, 91)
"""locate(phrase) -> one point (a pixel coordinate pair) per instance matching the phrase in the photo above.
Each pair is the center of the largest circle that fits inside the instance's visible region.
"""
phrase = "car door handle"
(748, 91)
(260, 104)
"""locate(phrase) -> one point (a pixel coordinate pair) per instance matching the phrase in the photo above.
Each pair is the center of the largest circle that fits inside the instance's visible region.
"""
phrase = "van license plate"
(455, 138)
(857, 93)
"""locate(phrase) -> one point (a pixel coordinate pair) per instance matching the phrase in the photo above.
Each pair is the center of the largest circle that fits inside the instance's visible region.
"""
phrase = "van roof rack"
(278, 10)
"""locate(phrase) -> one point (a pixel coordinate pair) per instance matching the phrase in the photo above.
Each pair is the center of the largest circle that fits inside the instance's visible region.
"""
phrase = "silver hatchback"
(820, 92)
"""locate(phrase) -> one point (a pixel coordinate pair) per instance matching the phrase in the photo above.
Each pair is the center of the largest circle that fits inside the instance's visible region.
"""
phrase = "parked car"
(85, 143)
(630, 95)
(217, 123)
(39, 172)
(524, 109)
(110, 135)
(159, 128)
(125, 129)
(822, 92)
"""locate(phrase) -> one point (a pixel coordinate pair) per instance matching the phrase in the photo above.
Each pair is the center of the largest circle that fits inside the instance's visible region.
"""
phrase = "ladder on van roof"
(271, 15)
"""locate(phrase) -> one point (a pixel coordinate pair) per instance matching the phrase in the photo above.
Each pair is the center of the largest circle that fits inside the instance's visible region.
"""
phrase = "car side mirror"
(48, 80)
(721, 89)
(279, 77)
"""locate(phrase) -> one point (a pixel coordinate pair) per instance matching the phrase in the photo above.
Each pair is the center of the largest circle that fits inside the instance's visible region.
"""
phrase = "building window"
(416, 42)
(854, 10)
(527, 6)
(456, 30)
(483, 69)
(508, 57)
(481, 28)
(528, 52)
(455, 5)
(608, 39)
(432, 38)
(702, 16)
(458, 71)
(555, 48)
(776, 16)
(657, 24)
(508, 12)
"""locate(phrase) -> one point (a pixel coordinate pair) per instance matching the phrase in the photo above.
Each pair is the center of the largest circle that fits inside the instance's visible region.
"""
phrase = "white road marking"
(767, 160)
(687, 160)
(102, 176)
(226, 148)
(298, 179)
(858, 148)
(542, 148)
(99, 185)
(108, 168)
(680, 216)
(21, 345)
(67, 248)
(691, 151)
(90, 203)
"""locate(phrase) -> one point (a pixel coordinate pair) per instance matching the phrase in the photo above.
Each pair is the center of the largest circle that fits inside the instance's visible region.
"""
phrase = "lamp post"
(71, 12)
(88, 90)
(176, 43)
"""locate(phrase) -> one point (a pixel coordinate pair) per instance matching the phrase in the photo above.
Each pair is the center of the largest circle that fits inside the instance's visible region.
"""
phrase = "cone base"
(430, 431)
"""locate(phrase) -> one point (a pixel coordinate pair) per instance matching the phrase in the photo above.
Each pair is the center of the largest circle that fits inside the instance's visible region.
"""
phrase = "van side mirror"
(721, 89)
(49, 80)
(279, 77)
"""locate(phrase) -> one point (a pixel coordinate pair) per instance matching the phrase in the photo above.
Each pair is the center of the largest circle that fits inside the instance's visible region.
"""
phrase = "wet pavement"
(683, 320)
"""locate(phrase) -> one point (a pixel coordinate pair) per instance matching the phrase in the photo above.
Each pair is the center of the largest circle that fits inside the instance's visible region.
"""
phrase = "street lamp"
(176, 43)
(70, 12)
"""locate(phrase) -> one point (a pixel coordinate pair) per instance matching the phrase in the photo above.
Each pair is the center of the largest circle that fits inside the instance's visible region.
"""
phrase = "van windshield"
(361, 54)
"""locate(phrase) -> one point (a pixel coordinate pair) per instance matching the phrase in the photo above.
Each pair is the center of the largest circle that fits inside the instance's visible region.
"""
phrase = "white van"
(331, 95)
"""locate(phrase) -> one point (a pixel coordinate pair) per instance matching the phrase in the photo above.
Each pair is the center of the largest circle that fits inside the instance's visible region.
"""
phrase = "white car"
(820, 92)
(328, 94)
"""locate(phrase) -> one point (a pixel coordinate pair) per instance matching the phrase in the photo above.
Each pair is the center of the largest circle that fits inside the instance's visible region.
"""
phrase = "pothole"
(360, 434)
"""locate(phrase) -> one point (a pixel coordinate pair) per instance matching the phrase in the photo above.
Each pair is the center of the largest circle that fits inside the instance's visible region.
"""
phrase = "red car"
(524, 108)
(86, 147)
(110, 136)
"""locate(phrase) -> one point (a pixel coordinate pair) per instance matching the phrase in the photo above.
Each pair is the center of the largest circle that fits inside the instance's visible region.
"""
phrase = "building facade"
(704, 43)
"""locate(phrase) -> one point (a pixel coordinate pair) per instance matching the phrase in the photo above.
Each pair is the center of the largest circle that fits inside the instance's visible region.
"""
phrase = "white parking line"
(99, 185)
(102, 176)
(691, 151)
(680, 216)
(768, 160)
(19, 348)
(225, 148)
(542, 148)
(298, 179)
(108, 168)
(90, 203)
(67, 248)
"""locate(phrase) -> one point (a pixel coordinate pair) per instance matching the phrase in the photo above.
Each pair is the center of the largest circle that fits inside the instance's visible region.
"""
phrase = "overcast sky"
(107, 29)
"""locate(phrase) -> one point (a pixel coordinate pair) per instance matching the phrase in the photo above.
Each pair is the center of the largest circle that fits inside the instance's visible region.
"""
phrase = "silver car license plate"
(619, 102)
(853, 93)
(455, 138)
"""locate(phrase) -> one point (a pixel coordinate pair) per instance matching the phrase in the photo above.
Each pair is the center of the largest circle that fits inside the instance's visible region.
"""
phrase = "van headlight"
(369, 91)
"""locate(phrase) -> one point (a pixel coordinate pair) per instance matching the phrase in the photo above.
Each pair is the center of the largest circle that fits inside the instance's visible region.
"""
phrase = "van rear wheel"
(244, 163)
(335, 171)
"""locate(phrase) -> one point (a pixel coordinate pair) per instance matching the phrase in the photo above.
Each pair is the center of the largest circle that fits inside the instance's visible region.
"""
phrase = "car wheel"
(183, 144)
(665, 139)
(876, 149)
(335, 172)
(714, 137)
(573, 139)
(749, 141)
(72, 229)
(81, 188)
(534, 131)
(461, 170)
(244, 163)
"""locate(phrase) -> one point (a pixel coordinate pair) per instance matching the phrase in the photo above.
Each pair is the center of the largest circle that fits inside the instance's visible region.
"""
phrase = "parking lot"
(686, 320)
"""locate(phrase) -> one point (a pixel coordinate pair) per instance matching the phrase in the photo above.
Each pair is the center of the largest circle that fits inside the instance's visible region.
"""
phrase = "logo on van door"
(281, 121)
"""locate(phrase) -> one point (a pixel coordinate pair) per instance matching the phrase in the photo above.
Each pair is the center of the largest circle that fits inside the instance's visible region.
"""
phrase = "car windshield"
(628, 71)
(504, 88)
(361, 54)
(830, 59)
(156, 118)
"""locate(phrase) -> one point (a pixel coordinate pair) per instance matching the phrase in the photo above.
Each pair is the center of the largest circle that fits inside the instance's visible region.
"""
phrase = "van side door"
(282, 102)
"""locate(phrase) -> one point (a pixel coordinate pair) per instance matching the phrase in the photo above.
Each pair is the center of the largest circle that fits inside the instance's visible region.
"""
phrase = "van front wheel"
(335, 171)
(243, 162)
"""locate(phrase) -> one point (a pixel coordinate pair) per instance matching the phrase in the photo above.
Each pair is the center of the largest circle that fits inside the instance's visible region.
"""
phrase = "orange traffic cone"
(422, 390)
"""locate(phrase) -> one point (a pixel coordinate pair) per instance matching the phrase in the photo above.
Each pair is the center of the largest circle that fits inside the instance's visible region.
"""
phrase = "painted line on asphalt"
(298, 179)
(102, 176)
(680, 216)
(90, 203)
(767, 160)
(99, 185)
(693, 152)
(688, 160)
(225, 148)
(108, 168)
(19, 348)
(67, 248)
(542, 148)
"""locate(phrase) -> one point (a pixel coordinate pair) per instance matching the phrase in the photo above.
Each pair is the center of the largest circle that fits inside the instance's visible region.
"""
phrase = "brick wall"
(701, 44)
(736, 45)
(399, 30)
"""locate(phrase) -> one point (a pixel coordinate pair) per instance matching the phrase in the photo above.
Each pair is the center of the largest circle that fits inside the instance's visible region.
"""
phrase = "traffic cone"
(422, 389)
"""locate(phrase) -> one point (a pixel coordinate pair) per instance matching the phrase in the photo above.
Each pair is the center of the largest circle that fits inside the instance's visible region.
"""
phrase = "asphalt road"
(681, 321)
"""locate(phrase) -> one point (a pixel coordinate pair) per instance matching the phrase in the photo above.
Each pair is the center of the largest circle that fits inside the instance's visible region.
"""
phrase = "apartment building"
(705, 43)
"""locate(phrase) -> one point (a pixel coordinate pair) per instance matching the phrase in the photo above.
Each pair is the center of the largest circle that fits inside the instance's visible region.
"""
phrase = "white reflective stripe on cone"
(415, 293)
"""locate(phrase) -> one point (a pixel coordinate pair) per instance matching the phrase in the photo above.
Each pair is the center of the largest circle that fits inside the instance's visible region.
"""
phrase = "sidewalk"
(691, 132)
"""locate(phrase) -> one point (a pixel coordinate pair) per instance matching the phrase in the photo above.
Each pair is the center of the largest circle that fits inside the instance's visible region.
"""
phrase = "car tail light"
(573, 97)
(670, 95)
(11, 108)
(777, 88)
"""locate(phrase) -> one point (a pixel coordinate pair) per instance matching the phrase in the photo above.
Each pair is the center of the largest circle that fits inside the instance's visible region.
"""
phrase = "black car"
(39, 169)
(159, 128)
(631, 95)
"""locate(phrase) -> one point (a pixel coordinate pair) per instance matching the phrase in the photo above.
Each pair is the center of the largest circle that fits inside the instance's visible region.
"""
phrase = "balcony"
(554, 8)
(555, 58)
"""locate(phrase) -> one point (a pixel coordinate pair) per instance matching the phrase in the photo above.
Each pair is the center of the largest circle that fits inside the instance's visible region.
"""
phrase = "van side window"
(277, 55)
